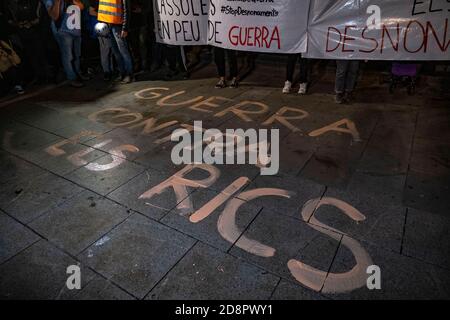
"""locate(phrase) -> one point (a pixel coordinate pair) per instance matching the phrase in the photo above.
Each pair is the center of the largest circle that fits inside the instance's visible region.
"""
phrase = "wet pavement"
(81, 173)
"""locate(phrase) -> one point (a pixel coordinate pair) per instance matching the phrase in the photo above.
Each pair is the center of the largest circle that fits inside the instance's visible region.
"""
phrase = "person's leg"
(352, 75)
(290, 67)
(303, 75)
(219, 58)
(341, 72)
(122, 46)
(232, 61)
(143, 47)
(77, 55)
(303, 70)
(65, 42)
(105, 54)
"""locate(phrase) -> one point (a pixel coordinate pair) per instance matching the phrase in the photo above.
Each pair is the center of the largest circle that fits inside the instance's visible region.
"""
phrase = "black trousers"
(292, 61)
(219, 56)
(174, 58)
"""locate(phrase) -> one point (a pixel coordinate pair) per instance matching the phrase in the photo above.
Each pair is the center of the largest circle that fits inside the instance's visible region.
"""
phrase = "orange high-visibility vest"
(110, 11)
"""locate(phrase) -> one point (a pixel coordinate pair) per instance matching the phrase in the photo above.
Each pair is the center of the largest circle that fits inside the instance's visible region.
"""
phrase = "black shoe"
(339, 98)
(348, 97)
(76, 84)
(119, 78)
(221, 84)
(107, 76)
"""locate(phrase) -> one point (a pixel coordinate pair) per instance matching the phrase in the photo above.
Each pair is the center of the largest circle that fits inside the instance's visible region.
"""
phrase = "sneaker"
(234, 83)
(303, 88)
(221, 84)
(339, 98)
(119, 78)
(19, 89)
(107, 76)
(127, 79)
(287, 87)
(76, 84)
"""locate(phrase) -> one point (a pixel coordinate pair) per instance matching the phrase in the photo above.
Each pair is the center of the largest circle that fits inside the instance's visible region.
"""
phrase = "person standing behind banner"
(116, 14)
(346, 76)
(219, 57)
(290, 69)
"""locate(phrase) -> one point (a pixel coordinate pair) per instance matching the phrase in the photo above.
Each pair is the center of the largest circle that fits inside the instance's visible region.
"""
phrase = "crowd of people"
(41, 39)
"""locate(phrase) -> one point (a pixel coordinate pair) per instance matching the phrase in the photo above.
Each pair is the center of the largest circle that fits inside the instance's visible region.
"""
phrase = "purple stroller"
(403, 75)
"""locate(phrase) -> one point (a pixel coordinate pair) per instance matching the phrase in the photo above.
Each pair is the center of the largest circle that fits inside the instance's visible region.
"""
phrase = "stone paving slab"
(100, 289)
(289, 291)
(287, 238)
(39, 272)
(14, 237)
(90, 215)
(61, 158)
(207, 230)
(13, 168)
(206, 273)
(105, 181)
(118, 256)
(427, 192)
(26, 200)
(383, 224)
(155, 207)
(300, 191)
(427, 237)
(396, 176)
(402, 277)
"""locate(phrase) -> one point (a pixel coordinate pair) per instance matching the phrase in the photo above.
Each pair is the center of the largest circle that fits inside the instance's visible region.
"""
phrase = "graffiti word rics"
(232, 197)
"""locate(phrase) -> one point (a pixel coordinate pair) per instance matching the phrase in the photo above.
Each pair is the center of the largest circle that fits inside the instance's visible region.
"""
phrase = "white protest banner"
(379, 29)
(181, 22)
(277, 26)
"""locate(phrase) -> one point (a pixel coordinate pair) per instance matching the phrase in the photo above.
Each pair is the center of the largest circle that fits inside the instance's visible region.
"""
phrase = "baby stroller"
(403, 75)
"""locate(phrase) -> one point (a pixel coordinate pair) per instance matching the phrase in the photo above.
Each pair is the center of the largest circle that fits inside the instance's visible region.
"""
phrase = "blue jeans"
(106, 53)
(120, 44)
(70, 47)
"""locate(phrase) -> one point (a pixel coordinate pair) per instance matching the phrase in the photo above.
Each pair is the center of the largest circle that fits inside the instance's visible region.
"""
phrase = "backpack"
(8, 57)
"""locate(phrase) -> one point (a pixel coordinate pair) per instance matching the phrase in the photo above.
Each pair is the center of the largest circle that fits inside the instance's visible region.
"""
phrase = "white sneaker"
(287, 87)
(303, 87)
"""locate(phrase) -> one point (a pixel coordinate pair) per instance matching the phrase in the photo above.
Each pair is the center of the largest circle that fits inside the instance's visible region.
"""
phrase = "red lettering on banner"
(424, 35)
(347, 38)
(413, 37)
(260, 37)
(328, 39)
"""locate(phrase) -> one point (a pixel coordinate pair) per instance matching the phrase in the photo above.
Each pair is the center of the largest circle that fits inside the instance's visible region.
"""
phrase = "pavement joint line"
(274, 289)
(22, 250)
(245, 229)
(404, 230)
(167, 273)
(411, 152)
(107, 232)
(332, 262)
